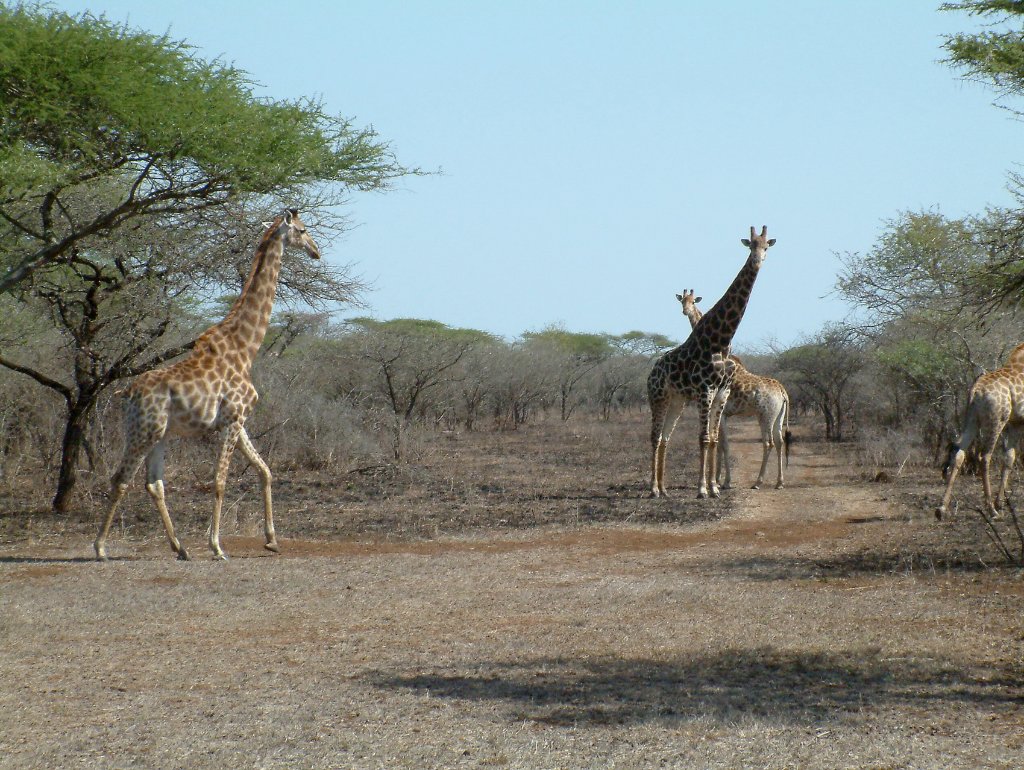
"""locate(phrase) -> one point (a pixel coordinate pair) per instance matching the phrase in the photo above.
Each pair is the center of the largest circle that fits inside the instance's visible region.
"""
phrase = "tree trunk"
(71, 449)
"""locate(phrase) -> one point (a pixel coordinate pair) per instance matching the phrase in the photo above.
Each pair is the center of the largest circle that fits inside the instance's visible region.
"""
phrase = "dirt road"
(787, 634)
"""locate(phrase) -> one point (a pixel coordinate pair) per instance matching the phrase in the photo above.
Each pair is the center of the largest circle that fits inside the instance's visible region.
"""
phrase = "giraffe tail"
(787, 434)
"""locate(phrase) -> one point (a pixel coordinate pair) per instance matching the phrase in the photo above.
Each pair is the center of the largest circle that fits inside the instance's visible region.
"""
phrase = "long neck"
(1016, 359)
(719, 324)
(246, 323)
(693, 314)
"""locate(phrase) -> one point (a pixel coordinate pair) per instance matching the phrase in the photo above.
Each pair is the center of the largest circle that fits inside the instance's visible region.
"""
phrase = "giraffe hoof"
(272, 546)
(756, 486)
(940, 512)
(182, 554)
(220, 556)
(780, 485)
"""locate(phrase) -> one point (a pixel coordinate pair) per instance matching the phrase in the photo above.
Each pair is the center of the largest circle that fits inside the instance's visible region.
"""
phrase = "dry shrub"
(891, 449)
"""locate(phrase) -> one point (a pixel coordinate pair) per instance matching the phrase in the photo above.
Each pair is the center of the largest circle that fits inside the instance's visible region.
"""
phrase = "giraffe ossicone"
(700, 370)
(207, 391)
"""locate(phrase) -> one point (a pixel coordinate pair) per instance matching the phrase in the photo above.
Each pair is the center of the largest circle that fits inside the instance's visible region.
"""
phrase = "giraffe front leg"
(133, 453)
(715, 419)
(265, 480)
(706, 447)
(954, 464)
(231, 434)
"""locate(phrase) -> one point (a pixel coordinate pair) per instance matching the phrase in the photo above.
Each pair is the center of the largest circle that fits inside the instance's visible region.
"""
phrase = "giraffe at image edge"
(700, 370)
(751, 395)
(209, 390)
(995, 410)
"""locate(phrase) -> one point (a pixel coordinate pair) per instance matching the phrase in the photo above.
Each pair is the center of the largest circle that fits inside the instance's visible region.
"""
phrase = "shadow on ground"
(765, 682)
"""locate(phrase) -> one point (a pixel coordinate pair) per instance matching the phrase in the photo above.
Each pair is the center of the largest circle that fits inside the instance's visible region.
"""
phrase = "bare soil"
(514, 600)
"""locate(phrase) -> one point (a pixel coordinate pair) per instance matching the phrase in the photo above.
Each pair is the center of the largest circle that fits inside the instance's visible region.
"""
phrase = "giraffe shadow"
(61, 559)
(785, 685)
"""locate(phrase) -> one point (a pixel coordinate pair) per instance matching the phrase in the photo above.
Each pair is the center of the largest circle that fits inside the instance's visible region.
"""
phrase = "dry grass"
(514, 601)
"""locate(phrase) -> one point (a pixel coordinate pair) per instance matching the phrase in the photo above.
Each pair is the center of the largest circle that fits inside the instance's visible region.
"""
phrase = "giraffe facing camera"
(700, 370)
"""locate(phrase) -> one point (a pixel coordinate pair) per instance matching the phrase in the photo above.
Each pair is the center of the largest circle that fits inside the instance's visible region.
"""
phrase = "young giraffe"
(700, 369)
(750, 396)
(995, 409)
(208, 390)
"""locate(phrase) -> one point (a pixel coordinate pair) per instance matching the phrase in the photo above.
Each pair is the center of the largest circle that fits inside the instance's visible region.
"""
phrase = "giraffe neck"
(718, 326)
(693, 315)
(246, 323)
(1016, 359)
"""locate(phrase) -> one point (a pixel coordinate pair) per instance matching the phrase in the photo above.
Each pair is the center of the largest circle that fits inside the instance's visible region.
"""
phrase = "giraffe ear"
(267, 224)
(697, 299)
(771, 241)
(745, 242)
(679, 297)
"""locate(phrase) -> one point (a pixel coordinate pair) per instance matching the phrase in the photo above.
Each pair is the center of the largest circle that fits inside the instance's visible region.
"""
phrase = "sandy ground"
(789, 633)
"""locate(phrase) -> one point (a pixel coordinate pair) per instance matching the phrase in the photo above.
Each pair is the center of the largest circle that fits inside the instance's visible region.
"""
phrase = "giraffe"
(751, 395)
(700, 369)
(208, 390)
(995, 410)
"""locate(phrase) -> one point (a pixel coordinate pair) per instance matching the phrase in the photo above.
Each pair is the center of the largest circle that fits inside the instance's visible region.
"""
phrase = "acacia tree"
(409, 359)
(86, 100)
(995, 57)
(822, 371)
(105, 137)
(915, 293)
(573, 357)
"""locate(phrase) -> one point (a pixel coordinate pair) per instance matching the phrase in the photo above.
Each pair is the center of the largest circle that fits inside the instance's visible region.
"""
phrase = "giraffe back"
(751, 394)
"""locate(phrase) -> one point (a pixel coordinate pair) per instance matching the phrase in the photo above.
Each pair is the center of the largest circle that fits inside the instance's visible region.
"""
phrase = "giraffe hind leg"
(1010, 438)
(723, 466)
(155, 487)
(136, 448)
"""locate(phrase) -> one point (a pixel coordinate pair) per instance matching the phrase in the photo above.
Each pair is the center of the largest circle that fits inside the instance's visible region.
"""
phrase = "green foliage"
(921, 261)
(993, 55)
(646, 343)
(921, 361)
(82, 93)
(581, 345)
(418, 327)
(84, 101)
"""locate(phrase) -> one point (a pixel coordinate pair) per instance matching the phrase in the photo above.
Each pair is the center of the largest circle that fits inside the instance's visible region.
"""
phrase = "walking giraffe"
(210, 389)
(995, 409)
(751, 395)
(700, 370)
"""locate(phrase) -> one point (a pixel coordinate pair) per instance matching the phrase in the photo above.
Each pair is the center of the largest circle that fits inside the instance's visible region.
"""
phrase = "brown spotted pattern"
(995, 411)
(751, 395)
(700, 370)
(210, 390)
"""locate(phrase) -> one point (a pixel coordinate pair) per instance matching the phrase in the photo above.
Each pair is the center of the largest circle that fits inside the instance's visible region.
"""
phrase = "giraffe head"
(758, 244)
(689, 303)
(292, 230)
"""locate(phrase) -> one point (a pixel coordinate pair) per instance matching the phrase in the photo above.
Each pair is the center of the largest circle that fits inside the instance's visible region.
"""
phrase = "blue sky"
(599, 157)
